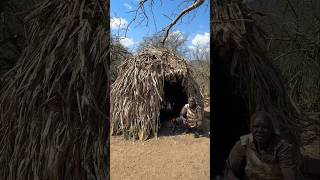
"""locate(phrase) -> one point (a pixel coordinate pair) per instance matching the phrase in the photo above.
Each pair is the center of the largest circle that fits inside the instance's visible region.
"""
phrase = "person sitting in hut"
(261, 154)
(191, 117)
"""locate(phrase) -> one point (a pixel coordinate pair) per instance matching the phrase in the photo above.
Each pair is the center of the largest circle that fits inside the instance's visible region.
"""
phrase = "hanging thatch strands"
(231, 20)
(236, 33)
(53, 110)
(138, 90)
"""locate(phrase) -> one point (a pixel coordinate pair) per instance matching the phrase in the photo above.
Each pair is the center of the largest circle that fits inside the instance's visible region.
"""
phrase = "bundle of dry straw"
(53, 122)
(138, 90)
(241, 44)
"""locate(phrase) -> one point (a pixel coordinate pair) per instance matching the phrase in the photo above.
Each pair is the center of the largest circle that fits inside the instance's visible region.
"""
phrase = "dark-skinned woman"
(262, 154)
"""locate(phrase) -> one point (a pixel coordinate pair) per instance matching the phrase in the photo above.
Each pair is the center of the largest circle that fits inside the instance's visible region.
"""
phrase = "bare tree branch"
(140, 7)
(195, 5)
(141, 11)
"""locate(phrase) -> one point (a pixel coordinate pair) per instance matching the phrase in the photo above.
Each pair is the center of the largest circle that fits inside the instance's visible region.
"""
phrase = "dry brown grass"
(53, 122)
(237, 33)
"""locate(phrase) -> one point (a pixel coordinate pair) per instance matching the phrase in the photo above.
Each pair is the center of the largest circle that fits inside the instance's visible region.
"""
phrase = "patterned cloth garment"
(261, 167)
(265, 165)
(192, 114)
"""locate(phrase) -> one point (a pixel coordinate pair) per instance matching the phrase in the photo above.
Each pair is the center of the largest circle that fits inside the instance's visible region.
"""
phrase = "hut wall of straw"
(53, 111)
(236, 33)
(139, 89)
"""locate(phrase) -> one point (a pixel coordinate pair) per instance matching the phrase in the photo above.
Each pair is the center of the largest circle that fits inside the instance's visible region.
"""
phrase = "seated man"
(191, 116)
(262, 154)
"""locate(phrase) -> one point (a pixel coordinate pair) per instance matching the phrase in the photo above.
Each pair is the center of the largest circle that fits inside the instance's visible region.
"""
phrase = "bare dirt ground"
(171, 157)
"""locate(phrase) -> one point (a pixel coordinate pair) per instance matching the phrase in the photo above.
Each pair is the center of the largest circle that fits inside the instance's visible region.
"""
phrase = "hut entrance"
(175, 98)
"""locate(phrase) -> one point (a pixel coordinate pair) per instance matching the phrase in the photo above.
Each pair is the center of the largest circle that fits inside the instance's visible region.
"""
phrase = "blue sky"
(195, 25)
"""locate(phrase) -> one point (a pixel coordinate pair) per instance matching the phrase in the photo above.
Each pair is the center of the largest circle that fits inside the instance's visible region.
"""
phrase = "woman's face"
(261, 130)
(191, 102)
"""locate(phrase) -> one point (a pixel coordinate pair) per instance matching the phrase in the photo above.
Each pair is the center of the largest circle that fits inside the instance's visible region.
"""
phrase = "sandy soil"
(169, 157)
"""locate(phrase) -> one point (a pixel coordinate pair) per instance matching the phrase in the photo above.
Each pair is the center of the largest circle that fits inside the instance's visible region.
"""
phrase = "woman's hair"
(264, 115)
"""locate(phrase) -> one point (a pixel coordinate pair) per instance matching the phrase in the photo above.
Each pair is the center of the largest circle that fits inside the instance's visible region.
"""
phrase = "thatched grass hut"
(144, 82)
(53, 105)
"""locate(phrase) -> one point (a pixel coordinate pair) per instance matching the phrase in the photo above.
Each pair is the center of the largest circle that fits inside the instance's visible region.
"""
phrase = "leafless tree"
(142, 15)
(201, 69)
(176, 42)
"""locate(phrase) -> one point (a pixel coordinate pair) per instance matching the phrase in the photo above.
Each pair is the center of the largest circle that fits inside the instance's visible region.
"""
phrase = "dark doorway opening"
(175, 98)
